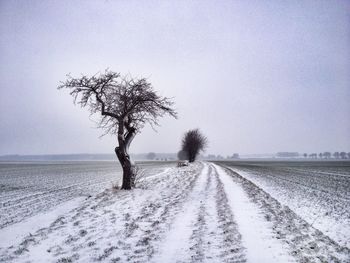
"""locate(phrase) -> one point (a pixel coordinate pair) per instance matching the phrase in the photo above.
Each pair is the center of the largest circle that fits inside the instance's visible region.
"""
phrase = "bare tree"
(126, 104)
(193, 142)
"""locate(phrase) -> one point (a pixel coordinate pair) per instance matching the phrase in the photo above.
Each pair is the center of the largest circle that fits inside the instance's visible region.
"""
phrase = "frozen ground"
(319, 192)
(200, 213)
(27, 189)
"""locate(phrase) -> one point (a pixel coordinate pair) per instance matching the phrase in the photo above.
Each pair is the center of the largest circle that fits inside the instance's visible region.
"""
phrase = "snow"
(198, 213)
(13, 233)
(256, 233)
(322, 207)
(30, 188)
(164, 173)
(174, 247)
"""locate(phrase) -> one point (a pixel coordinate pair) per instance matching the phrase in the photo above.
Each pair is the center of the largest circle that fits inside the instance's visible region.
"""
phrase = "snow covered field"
(319, 192)
(29, 188)
(200, 213)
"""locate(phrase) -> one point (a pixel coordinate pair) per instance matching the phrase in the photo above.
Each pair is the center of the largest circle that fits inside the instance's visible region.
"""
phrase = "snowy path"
(256, 232)
(204, 230)
(199, 213)
(176, 245)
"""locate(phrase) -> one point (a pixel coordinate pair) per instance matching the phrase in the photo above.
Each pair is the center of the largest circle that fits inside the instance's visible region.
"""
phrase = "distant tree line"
(220, 157)
(287, 154)
(328, 155)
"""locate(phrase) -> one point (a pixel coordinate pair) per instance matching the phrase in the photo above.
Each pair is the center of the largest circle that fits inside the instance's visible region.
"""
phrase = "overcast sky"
(254, 76)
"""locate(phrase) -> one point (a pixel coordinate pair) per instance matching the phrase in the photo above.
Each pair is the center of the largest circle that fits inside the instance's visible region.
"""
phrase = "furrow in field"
(320, 172)
(314, 187)
(17, 209)
(336, 186)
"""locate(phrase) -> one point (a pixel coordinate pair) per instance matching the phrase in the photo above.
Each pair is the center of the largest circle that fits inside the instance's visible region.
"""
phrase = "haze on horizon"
(254, 76)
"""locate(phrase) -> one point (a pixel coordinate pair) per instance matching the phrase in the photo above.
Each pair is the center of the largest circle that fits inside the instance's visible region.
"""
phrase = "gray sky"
(254, 76)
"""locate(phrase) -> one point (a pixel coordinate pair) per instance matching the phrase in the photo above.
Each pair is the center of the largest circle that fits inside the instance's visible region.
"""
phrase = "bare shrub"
(193, 143)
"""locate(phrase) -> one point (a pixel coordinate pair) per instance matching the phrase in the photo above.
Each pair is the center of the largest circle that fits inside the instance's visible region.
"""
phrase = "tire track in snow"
(231, 247)
(200, 226)
(176, 246)
(204, 231)
(257, 235)
(215, 235)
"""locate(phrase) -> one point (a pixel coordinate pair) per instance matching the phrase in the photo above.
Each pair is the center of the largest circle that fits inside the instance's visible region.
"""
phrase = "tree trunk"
(192, 157)
(125, 162)
(122, 153)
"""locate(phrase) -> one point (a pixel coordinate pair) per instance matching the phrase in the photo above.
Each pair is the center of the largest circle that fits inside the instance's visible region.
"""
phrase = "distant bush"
(193, 143)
